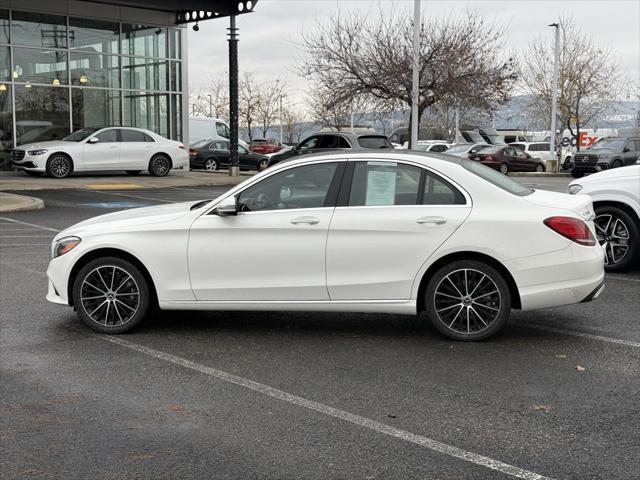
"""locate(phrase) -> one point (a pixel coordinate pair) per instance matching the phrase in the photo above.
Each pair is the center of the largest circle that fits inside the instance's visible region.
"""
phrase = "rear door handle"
(431, 220)
(307, 220)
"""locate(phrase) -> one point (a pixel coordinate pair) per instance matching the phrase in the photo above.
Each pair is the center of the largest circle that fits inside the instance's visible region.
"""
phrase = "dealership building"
(69, 64)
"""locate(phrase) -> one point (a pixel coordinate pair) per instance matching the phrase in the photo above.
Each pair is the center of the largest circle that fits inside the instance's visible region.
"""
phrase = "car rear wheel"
(133, 172)
(467, 300)
(539, 168)
(504, 168)
(111, 295)
(211, 164)
(618, 234)
(617, 163)
(159, 166)
(59, 166)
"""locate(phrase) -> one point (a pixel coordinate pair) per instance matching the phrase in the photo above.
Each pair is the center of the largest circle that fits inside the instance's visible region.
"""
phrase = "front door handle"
(431, 220)
(114, 146)
(307, 220)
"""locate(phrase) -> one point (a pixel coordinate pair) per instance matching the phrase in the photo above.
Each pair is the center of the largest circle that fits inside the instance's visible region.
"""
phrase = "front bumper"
(58, 273)
(35, 163)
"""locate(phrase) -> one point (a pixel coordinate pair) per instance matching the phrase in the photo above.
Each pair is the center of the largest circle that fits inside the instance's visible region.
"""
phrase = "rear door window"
(438, 191)
(384, 184)
(134, 136)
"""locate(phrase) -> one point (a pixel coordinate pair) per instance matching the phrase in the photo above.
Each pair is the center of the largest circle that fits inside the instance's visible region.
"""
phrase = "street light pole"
(234, 164)
(416, 74)
(554, 92)
(210, 105)
(281, 119)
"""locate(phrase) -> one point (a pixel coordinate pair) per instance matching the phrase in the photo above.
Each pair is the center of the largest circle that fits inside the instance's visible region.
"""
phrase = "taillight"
(182, 146)
(192, 152)
(572, 228)
(488, 157)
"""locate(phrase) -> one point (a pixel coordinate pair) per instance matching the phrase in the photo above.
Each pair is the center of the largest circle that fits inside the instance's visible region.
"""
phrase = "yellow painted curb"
(112, 186)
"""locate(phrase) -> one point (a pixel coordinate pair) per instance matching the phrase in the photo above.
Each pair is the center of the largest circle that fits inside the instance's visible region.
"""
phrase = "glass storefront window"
(146, 110)
(176, 76)
(144, 40)
(94, 35)
(4, 26)
(175, 35)
(38, 30)
(40, 66)
(176, 117)
(91, 70)
(144, 73)
(5, 64)
(92, 107)
(42, 113)
(6, 122)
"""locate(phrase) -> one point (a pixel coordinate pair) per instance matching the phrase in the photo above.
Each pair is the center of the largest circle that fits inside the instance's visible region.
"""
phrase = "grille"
(17, 155)
(585, 159)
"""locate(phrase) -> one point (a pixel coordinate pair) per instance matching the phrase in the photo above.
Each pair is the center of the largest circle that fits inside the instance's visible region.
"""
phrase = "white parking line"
(29, 224)
(574, 333)
(332, 412)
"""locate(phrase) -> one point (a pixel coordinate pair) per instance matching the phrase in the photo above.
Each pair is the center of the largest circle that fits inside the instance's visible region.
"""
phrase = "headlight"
(573, 189)
(37, 152)
(65, 245)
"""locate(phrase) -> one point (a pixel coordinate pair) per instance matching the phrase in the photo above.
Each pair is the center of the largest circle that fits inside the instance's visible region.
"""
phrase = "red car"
(508, 159)
(264, 146)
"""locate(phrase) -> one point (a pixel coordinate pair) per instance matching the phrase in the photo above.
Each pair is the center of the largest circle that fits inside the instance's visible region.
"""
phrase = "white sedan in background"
(102, 149)
(379, 231)
(616, 201)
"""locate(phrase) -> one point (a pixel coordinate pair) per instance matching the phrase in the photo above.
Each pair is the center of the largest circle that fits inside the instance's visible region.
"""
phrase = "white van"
(207, 128)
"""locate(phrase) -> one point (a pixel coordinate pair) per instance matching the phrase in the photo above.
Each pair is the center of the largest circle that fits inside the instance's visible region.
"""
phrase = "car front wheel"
(59, 166)
(159, 166)
(617, 232)
(111, 295)
(467, 300)
(504, 168)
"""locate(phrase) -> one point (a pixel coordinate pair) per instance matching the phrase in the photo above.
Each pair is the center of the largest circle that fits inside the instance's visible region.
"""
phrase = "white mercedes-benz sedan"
(101, 149)
(374, 231)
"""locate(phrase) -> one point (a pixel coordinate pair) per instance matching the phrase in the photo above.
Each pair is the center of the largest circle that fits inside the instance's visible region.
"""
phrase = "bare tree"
(212, 100)
(292, 123)
(268, 107)
(248, 103)
(334, 112)
(588, 79)
(355, 56)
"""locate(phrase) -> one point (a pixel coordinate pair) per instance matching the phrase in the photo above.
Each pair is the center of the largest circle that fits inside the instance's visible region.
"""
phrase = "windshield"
(80, 135)
(374, 142)
(201, 143)
(459, 148)
(490, 150)
(608, 143)
(496, 178)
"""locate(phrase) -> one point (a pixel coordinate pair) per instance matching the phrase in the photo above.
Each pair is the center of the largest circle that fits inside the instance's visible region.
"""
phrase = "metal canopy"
(189, 11)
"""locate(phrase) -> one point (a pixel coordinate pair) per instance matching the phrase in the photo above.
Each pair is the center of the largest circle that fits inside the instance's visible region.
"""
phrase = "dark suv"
(607, 153)
(327, 141)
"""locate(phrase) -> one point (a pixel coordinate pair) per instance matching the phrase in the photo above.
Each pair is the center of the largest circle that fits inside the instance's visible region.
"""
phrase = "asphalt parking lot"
(301, 395)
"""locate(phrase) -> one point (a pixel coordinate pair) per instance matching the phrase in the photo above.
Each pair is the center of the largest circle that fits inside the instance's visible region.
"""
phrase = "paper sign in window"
(381, 188)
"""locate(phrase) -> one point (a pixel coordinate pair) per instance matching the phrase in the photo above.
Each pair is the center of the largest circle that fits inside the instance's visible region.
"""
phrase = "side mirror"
(228, 207)
(626, 149)
(93, 140)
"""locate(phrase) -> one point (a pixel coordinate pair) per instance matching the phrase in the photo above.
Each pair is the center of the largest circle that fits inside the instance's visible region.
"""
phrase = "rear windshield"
(374, 142)
(202, 143)
(496, 178)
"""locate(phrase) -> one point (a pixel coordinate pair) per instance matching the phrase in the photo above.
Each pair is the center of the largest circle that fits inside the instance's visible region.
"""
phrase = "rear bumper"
(578, 273)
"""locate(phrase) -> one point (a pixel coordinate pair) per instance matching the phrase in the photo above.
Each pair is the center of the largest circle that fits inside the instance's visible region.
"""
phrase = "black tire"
(575, 174)
(111, 311)
(59, 165)
(617, 163)
(567, 163)
(610, 234)
(504, 168)
(447, 309)
(210, 164)
(133, 172)
(540, 168)
(160, 166)
(263, 164)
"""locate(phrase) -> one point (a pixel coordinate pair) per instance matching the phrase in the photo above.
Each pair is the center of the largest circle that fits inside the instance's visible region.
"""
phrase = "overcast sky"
(268, 36)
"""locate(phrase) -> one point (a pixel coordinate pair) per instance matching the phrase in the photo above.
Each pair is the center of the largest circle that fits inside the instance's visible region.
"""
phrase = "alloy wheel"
(161, 166)
(211, 165)
(110, 296)
(467, 301)
(539, 168)
(59, 166)
(504, 169)
(613, 235)
(263, 164)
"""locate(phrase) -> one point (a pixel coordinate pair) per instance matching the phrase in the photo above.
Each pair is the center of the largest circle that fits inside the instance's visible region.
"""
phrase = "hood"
(580, 204)
(130, 218)
(597, 151)
(610, 174)
(46, 145)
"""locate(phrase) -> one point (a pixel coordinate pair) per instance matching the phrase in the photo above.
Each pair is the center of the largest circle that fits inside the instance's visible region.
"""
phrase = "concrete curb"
(540, 175)
(10, 202)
